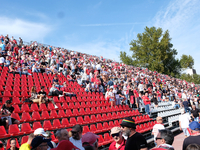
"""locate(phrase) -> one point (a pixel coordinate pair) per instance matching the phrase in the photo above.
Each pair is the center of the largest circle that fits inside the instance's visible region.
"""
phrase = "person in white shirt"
(111, 97)
(184, 120)
(77, 136)
(158, 126)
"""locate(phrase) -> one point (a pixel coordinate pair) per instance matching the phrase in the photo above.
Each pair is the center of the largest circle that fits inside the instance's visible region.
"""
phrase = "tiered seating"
(89, 109)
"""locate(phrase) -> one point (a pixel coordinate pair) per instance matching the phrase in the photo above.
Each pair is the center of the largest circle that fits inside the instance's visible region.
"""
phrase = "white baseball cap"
(40, 131)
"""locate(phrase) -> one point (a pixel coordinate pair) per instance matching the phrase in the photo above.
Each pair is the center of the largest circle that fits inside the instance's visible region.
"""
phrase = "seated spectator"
(90, 141)
(34, 96)
(25, 70)
(122, 98)
(111, 97)
(7, 110)
(88, 87)
(3, 120)
(27, 145)
(13, 145)
(55, 92)
(43, 95)
(39, 142)
(66, 91)
(12, 68)
(119, 141)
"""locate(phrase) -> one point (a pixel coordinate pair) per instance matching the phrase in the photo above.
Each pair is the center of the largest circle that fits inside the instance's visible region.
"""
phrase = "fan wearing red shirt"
(147, 102)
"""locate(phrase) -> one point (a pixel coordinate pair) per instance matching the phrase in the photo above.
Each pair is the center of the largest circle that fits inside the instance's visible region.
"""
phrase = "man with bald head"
(62, 134)
(158, 126)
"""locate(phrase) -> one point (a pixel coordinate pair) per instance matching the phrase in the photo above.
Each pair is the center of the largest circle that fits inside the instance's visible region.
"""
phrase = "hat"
(89, 138)
(115, 86)
(194, 125)
(38, 140)
(128, 122)
(40, 131)
(66, 145)
(182, 111)
(115, 130)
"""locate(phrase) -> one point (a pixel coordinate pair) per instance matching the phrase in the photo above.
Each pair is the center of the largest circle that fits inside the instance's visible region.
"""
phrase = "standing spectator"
(195, 135)
(184, 120)
(195, 113)
(62, 134)
(119, 141)
(111, 97)
(76, 136)
(27, 145)
(186, 106)
(90, 141)
(122, 98)
(164, 140)
(40, 143)
(135, 140)
(158, 126)
(13, 145)
(147, 102)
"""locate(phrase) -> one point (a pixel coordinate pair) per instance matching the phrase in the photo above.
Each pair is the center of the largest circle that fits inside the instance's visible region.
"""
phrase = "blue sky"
(102, 27)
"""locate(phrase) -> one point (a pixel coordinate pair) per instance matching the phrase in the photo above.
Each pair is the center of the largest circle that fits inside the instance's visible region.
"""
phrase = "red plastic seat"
(88, 111)
(8, 88)
(77, 105)
(47, 125)
(8, 143)
(111, 124)
(86, 120)
(7, 94)
(45, 115)
(26, 128)
(80, 120)
(15, 100)
(61, 114)
(99, 128)
(99, 118)
(16, 109)
(16, 88)
(16, 94)
(3, 133)
(65, 122)
(93, 119)
(93, 128)
(24, 139)
(36, 125)
(24, 94)
(15, 115)
(85, 129)
(100, 141)
(69, 113)
(105, 126)
(35, 116)
(82, 111)
(116, 123)
(104, 117)
(71, 105)
(42, 107)
(65, 105)
(72, 121)
(56, 124)
(34, 107)
(25, 108)
(107, 139)
(13, 130)
(25, 117)
(62, 99)
(53, 114)
(75, 112)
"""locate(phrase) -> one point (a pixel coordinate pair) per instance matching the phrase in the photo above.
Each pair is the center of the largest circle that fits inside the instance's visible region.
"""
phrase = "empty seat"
(69, 113)
(56, 124)
(93, 128)
(72, 121)
(36, 116)
(25, 117)
(14, 130)
(3, 133)
(86, 120)
(24, 139)
(53, 114)
(61, 114)
(45, 115)
(80, 120)
(85, 129)
(47, 125)
(42, 107)
(36, 125)
(99, 128)
(25, 108)
(26, 128)
(34, 107)
(65, 122)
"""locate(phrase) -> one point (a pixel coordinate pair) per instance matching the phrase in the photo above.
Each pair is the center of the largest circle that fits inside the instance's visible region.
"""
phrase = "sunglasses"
(116, 134)
(158, 138)
(74, 132)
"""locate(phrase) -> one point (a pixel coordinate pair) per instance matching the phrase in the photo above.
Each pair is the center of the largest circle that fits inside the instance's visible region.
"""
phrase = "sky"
(102, 27)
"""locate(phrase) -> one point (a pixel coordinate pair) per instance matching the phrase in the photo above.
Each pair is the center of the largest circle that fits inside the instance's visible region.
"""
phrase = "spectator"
(147, 102)
(43, 95)
(13, 145)
(195, 135)
(51, 144)
(55, 92)
(193, 147)
(119, 141)
(27, 145)
(90, 141)
(195, 113)
(186, 106)
(66, 91)
(39, 143)
(76, 136)
(122, 98)
(62, 134)
(158, 126)
(3, 120)
(7, 110)
(34, 96)
(164, 140)
(111, 97)
(40, 132)
(135, 140)
(1, 145)
(65, 145)
(184, 120)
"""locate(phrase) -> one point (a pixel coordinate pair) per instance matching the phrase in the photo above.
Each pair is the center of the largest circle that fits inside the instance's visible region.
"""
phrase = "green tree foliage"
(186, 62)
(153, 50)
(195, 78)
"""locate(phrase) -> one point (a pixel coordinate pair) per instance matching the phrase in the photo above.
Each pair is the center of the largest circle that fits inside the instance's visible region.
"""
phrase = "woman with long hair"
(34, 96)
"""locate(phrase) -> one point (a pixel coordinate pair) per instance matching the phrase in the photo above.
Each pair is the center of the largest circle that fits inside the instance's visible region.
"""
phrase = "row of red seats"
(26, 117)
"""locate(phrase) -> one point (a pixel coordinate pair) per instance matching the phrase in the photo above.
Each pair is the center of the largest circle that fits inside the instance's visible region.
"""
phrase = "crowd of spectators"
(122, 84)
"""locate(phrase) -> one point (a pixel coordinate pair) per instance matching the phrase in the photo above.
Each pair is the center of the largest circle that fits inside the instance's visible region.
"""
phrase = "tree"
(153, 50)
(186, 62)
(195, 78)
